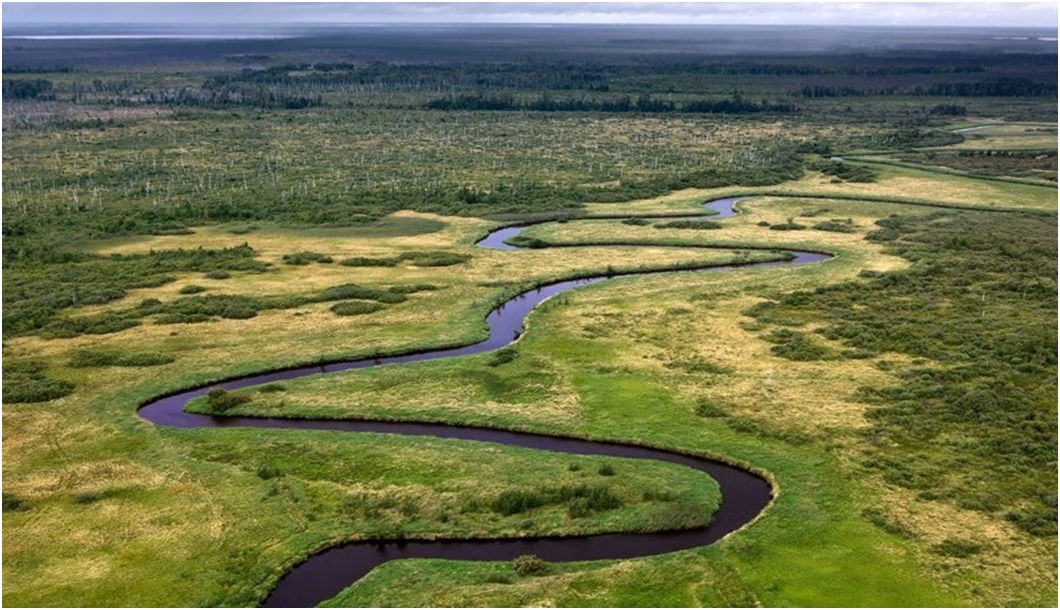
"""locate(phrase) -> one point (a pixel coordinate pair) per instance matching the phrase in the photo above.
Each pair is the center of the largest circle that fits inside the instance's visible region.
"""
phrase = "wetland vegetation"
(176, 214)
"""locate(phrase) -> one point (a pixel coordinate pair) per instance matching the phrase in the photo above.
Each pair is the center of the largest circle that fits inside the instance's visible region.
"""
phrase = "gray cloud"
(1030, 14)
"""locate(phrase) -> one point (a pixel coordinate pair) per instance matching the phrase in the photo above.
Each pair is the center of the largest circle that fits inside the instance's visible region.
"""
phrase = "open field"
(169, 224)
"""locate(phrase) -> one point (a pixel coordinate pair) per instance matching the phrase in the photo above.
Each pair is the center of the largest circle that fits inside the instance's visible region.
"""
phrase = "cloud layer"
(1008, 14)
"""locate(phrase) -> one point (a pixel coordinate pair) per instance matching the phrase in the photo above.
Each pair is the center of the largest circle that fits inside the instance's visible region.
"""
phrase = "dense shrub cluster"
(37, 287)
(304, 258)
(690, 224)
(979, 307)
(26, 381)
(845, 172)
(355, 308)
(586, 498)
(836, 225)
(427, 258)
(94, 358)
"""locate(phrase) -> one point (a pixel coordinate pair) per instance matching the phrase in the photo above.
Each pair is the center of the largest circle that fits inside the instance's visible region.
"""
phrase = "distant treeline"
(1002, 87)
(644, 103)
(28, 89)
(37, 69)
(534, 76)
(257, 97)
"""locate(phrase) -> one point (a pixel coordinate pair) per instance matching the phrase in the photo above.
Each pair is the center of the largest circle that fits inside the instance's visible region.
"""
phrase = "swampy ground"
(901, 397)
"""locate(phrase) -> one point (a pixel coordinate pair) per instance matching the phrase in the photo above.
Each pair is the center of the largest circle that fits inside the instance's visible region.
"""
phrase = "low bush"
(435, 258)
(885, 523)
(960, 549)
(578, 508)
(790, 225)
(513, 502)
(412, 288)
(794, 345)
(94, 358)
(353, 291)
(13, 503)
(530, 565)
(271, 388)
(365, 261)
(192, 289)
(593, 498)
(218, 275)
(355, 308)
(304, 258)
(606, 470)
(182, 318)
(100, 324)
(836, 226)
(26, 381)
(237, 311)
(708, 409)
(696, 224)
(222, 400)
(502, 356)
(636, 222)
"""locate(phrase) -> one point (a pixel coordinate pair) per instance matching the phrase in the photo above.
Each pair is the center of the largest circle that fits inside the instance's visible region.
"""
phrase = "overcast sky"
(1035, 14)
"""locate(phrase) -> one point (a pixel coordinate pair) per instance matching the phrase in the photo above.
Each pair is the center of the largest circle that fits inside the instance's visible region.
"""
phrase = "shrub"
(270, 388)
(698, 364)
(845, 172)
(636, 222)
(353, 291)
(412, 288)
(606, 470)
(268, 472)
(836, 226)
(192, 289)
(222, 400)
(530, 565)
(237, 311)
(813, 213)
(182, 318)
(36, 390)
(960, 549)
(502, 356)
(13, 503)
(514, 501)
(391, 298)
(578, 508)
(794, 345)
(87, 497)
(94, 358)
(304, 258)
(355, 308)
(885, 523)
(498, 579)
(100, 324)
(364, 261)
(700, 225)
(26, 381)
(790, 225)
(706, 408)
(677, 517)
(218, 275)
(435, 258)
